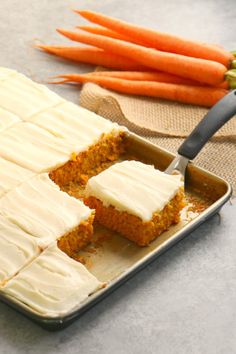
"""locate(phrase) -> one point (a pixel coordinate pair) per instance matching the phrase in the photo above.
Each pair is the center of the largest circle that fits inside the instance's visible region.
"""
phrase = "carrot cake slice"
(48, 214)
(102, 139)
(135, 199)
(11, 175)
(53, 284)
(17, 249)
(24, 97)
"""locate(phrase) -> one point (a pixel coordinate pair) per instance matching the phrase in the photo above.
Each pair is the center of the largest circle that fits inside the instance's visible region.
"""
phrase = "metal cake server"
(217, 116)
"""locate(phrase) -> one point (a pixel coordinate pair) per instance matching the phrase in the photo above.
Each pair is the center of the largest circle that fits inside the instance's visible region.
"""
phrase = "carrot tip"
(60, 30)
(58, 82)
(76, 11)
(80, 12)
(46, 48)
(41, 46)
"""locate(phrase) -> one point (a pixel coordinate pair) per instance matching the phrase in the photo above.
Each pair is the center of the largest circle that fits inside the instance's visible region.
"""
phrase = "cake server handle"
(216, 117)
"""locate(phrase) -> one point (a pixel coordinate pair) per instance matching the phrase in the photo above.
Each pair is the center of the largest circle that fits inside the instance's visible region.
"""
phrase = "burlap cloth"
(165, 124)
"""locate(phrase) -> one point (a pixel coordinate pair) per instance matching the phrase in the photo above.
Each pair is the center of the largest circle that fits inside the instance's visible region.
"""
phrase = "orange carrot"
(109, 33)
(159, 40)
(201, 70)
(197, 95)
(94, 56)
(103, 32)
(145, 76)
(152, 76)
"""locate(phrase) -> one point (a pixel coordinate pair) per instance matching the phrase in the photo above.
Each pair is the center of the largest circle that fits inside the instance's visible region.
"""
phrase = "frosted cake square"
(103, 139)
(100, 139)
(53, 284)
(48, 214)
(136, 200)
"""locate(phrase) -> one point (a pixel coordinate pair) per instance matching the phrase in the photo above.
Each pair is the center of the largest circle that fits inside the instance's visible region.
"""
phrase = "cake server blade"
(216, 117)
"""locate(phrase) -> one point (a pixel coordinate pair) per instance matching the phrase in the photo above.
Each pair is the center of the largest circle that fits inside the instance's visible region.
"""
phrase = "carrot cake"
(17, 249)
(102, 140)
(12, 175)
(53, 284)
(135, 199)
(48, 214)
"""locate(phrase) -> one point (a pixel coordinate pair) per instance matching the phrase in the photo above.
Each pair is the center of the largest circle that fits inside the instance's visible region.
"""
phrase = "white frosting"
(72, 122)
(5, 73)
(34, 148)
(17, 249)
(7, 119)
(11, 175)
(42, 210)
(134, 187)
(24, 98)
(53, 284)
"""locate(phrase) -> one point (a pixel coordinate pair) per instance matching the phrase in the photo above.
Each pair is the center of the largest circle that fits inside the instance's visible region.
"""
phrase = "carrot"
(94, 56)
(152, 76)
(103, 32)
(145, 76)
(109, 33)
(201, 70)
(197, 95)
(159, 40)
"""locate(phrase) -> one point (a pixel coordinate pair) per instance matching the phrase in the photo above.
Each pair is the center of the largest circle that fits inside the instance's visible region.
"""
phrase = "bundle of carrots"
(150, 63)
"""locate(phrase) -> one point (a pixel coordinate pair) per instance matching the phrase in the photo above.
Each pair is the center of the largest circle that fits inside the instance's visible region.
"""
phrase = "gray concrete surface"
(184, 302)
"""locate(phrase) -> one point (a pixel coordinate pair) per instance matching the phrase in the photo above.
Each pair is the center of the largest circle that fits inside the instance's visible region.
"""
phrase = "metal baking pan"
(114, 259)
(117, 259)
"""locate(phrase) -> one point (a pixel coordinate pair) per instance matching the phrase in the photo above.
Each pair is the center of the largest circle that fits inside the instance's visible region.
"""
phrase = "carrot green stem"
(233, 64)
(232, 84)
(233, 52)
(231, 74)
